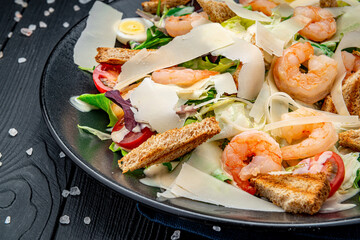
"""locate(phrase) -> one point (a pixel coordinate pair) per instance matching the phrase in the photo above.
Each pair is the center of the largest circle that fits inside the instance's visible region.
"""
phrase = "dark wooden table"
(31, 186)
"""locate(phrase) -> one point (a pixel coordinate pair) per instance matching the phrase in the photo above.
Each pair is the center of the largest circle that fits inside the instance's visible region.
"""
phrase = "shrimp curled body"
(181, 76)
(263, 6)
(351, 62)
(308, 87)
(315, 138)
(180, 25)
(251, 153)
(322, 25)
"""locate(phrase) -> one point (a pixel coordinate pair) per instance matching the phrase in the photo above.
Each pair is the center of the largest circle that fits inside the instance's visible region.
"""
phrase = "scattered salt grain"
(10, 34)
(217, 228)
(42, 24)
(22, 3)
(176, 235)
(65, 193)
(32, 27)
(76, 8)
(87, 220)
(29, 151)
(18, 16)
(62, 155)
(51, 10)
(16, 19)
(13, 132)
(25, 31)
(0, 155)
(46, 13)
(74, 191)
(50, 1)
(0, 164)
(66, 24)
(7, 220)
(64, 219)
(21, 60)
(1, 54)
(84, 1)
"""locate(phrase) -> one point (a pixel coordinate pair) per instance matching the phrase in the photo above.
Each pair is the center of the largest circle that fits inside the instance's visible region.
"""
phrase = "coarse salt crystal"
(21, 60)
(64, 219)
(0, 155)
(65, 193)
(87, 220)
(176, 235)
(74, 191)
(84, 1)
(16, 19)
(76, 8)
(7, 220)
(32, 27)
(25, 31)
(13, 132)
(0, 164)
(24, 4)
(42, 24)
(18, 14)
(29, 151)
(46, 13)
(217, 228)
(10, 34)
(50, 1)
(1, 54)
(62, 155)
(66, 24)
(51, 10)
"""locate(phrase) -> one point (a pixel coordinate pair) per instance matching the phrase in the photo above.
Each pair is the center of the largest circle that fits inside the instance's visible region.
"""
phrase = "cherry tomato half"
(334, 169)
(133, 139)
(105, 76)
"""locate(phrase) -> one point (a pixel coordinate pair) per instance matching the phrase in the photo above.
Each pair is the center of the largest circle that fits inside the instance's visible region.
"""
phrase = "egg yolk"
(131, 27)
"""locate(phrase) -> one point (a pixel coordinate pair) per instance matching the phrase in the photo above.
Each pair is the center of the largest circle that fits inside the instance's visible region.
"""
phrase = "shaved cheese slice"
(224, 83)
(334, 203)
(349, 40)
(288, 28)
(258, 110)
(245, 13)
(267, 41)
(155, 105)
(206, 157)
(283, 9)
(337, 11)
(200, 40)
(352, 2)
(206, 188)
(301, 3)
(251, 76)
(100, 30)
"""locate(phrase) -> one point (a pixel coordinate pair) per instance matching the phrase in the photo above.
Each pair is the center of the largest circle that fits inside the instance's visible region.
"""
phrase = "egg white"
(141, 37)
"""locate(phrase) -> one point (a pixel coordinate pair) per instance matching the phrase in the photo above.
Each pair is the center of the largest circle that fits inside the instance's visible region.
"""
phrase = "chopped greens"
(86, 69)
(237, 24)
(116, 148)
(101, 135)
(100, 101)
(211, 94)
(222, 65)
(155, 38)
(168, 165)
(179, 11)
(219, 174)
(190, 120)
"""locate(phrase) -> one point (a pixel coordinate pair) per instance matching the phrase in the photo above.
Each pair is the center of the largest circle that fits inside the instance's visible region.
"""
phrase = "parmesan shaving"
(267, 41)
(245, 13)
(300, 3)
(224, 83)
(287, 29)
(283, 9)
(258, 110)
(350, 39)
(200, 40)
(251, 75)
(100, 31)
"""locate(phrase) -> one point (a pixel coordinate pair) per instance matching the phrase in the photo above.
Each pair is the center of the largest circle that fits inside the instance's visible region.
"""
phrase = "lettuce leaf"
(100, 101)
(222, 65)
(237, 24)
(101, 135)
(155, 39)
(116, 148)
(219, 174)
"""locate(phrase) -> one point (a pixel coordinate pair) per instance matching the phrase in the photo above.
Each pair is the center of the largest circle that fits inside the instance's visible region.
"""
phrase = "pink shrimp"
(308, 87)
(315, 138)
(181, 76)
(177, 26)
(351, 62)
(251, 153)
(263, 6)
(322, 25)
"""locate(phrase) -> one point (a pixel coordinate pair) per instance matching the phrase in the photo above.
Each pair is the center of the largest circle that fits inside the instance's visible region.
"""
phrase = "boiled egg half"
(132, 29)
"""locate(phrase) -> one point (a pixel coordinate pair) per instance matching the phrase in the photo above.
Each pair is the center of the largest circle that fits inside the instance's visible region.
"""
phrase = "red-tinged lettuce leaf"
(129, 118)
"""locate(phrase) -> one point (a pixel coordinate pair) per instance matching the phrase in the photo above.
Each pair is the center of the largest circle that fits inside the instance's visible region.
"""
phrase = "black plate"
(62, 80)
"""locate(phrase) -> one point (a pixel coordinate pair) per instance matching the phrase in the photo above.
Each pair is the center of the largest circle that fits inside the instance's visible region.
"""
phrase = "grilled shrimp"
(177, 26)
(263, 6)
(248, 154)
(181, 76)
(322, 25)
(308, 87)
(316, 137)
(351, 62)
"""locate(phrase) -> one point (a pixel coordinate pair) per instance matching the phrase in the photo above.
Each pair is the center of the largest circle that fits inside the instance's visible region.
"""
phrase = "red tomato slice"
(133, 139)
(334, 169)
(105, 76)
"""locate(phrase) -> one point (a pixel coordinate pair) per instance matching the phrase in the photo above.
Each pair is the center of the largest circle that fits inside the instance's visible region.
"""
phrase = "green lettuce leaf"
(100, 101)
(116, 148)
(219, 174)
(237, 24)
(222, 66)
(101, 135)
(155, 38)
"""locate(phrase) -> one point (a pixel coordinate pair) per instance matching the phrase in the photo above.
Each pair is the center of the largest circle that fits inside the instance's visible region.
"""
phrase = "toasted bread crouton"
(218, 11)
(152, 5)
(351, 93)
(350, 139)
(295, 193)
(115, 55)
(328, 3)
(167, 146)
